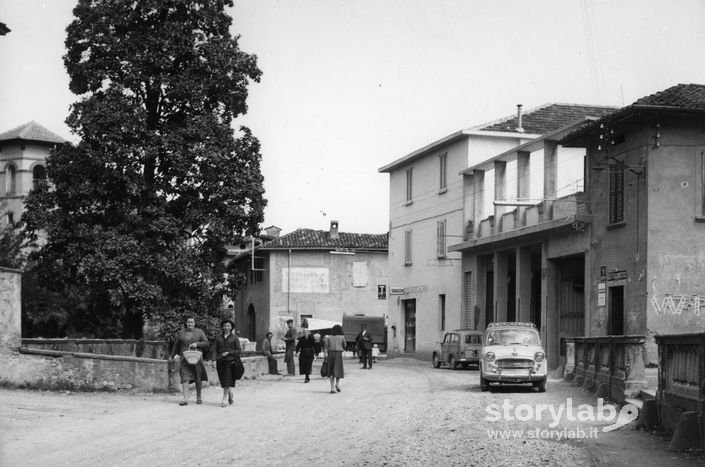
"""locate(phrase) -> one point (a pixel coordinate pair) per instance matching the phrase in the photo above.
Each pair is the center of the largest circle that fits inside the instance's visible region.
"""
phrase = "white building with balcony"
(434, 205)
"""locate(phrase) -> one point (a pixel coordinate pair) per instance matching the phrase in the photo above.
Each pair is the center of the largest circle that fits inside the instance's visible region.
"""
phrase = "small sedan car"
(459, 347)
(512, 353)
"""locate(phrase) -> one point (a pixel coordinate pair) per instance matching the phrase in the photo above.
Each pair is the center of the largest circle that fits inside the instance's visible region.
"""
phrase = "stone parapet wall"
(58, 370)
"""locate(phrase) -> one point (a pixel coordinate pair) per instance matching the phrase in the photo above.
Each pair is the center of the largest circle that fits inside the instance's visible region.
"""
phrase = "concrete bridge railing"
(613, 366)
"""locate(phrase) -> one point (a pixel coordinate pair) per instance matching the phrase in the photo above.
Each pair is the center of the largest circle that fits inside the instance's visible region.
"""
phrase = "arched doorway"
(251, 323)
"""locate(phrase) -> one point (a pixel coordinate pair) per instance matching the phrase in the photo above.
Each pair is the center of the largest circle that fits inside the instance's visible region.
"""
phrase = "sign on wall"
(396, 291)
(305, 280)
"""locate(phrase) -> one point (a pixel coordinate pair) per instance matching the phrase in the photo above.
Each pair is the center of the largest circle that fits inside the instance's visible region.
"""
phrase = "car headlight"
(489, 356)
(539, 356)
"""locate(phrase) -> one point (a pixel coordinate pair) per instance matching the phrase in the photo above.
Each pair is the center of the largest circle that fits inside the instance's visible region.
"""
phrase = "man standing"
(267, 351)
(364, 344)
(290, 340)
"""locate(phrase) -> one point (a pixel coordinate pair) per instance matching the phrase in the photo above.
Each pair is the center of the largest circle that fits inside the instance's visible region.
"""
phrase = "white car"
(512, 353)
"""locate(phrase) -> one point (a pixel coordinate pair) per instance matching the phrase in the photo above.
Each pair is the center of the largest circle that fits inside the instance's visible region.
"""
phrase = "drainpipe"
(288, 287)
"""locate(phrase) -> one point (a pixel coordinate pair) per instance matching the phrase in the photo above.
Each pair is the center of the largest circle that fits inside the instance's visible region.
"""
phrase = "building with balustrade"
(432, 288)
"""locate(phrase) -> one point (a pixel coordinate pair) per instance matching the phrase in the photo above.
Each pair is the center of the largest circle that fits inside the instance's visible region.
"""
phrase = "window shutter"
(359, 274)
(616, 200)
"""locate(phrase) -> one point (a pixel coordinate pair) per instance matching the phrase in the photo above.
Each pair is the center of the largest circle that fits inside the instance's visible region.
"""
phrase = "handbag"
(238, 368)
(324, 368)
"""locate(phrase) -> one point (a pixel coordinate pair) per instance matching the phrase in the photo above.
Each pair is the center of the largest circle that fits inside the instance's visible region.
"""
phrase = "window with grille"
(407, 248)
(616, 201)
(443, 165)
(441, 250)
(409, 181)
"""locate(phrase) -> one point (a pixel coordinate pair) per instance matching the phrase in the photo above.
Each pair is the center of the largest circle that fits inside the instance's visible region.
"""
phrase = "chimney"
(520, 129)
(333, 230)
(273, 231)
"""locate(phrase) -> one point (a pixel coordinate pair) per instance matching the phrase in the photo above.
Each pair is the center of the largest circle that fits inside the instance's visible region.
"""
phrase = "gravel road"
(403, 412)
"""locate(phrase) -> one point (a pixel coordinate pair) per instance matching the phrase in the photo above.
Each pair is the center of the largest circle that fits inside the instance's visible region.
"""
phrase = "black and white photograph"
(352, 233)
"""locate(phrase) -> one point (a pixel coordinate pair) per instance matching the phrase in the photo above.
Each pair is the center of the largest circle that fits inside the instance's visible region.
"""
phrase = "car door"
(445, 346)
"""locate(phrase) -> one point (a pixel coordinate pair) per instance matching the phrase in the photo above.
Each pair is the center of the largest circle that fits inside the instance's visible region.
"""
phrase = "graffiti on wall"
(679, 304)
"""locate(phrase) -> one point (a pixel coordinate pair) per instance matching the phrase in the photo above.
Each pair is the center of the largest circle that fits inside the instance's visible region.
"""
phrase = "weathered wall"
(619, 250)
(10, 310)
(676, 232)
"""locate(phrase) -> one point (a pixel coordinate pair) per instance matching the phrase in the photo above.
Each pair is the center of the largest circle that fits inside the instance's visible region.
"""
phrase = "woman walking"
(190, 338)
(227, 350)
(306, 348)
(334, 347)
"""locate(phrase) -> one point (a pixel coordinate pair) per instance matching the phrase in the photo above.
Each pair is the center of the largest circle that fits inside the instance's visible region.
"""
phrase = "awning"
(315, 324)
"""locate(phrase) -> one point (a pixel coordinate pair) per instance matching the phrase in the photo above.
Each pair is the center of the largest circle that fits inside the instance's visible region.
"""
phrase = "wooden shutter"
(616, 201)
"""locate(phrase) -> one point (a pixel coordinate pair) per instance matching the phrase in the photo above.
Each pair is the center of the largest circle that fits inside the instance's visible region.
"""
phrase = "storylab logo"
(567, 413)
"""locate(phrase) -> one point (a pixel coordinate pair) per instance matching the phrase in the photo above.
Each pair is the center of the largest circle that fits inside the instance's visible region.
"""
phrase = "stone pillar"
(10, 310)
(501, 274)
(523, 183)
(478, 178)
(500, 191)
(550, 177)
(523, 284)
(469, 190)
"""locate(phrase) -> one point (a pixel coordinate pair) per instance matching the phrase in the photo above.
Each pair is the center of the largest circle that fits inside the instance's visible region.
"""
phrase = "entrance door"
(410, 325)
(616, 311)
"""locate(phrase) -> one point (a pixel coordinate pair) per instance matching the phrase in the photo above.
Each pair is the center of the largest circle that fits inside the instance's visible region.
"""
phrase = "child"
(375, 353)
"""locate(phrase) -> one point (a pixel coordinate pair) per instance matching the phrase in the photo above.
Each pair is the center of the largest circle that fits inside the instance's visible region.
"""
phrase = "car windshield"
(513, 337)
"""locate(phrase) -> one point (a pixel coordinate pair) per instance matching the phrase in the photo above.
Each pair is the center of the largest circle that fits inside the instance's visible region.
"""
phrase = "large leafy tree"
(138, 214)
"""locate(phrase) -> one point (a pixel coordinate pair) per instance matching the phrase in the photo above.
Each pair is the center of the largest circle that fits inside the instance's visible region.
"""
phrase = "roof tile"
(547, 118)
(320, 239)
(32, 131)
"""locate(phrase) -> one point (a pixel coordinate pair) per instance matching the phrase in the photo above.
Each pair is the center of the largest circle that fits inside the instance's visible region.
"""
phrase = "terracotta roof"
(32, 131)
(547, 118)
(679, 98)
(309, 239)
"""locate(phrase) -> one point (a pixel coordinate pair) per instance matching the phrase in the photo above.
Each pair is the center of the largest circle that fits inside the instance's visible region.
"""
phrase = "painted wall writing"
(678, 304)
(305, 280)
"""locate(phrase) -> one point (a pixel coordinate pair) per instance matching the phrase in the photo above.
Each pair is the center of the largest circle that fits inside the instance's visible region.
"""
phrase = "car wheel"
(452, 364)
(540, 385)
(436, 361)
(484, 384)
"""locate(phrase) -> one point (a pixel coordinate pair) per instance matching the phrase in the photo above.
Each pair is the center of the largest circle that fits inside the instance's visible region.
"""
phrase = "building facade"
(429, 212)
(646, 191)
(23, 153)
(310, 274)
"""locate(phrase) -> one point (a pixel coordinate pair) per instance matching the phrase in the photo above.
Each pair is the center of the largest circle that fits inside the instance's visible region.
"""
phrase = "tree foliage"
(13, 244)
(142, 208)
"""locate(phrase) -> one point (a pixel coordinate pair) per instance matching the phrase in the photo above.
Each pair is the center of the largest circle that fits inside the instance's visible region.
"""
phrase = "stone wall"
(10, 309)
(87, 364)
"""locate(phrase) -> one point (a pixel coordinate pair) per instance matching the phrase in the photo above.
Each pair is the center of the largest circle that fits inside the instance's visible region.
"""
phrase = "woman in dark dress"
(307, 349)
(190, 338)
(227, 348)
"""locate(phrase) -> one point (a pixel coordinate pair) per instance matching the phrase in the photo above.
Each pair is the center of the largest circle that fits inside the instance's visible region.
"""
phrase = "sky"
(349, 86)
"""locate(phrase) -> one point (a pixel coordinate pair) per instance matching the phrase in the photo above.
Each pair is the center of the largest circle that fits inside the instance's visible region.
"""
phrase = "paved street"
(403, 412)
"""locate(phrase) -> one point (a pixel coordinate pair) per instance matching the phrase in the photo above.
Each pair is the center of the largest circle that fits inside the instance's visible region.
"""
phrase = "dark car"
(459, 347)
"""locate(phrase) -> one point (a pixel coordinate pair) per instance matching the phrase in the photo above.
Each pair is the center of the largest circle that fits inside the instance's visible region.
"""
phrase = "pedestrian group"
(191, 343)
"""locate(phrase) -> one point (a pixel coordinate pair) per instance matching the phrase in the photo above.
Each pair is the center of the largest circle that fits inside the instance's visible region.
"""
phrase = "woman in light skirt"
(334, 348)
